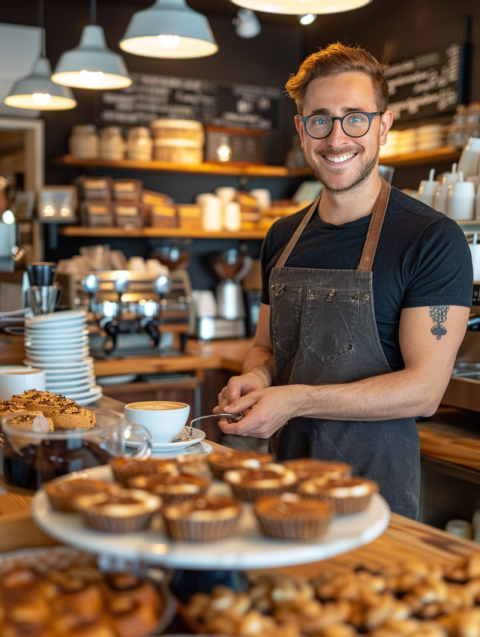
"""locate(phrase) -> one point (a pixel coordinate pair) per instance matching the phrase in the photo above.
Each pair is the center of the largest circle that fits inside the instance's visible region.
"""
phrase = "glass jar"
(112, 144)
(84, 142)
(139, 144)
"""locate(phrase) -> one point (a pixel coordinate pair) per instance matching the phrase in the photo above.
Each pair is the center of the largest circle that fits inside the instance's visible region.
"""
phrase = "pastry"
(171, 488)
(121, 511)
(269, 479)
(348, 495)
(290, 517)
(69, 416)
(221, 462)
(202, 519)
(131, 617)
(62, 494)
(8, 407)
(310, 468)
(126, 468)
(33, 421)
(194, 464)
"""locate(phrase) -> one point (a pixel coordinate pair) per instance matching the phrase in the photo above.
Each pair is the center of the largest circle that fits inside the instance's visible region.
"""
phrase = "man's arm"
(429, 341)
(258, 366)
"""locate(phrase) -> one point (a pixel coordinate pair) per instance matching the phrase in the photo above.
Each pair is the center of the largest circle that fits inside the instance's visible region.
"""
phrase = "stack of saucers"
(58, 343)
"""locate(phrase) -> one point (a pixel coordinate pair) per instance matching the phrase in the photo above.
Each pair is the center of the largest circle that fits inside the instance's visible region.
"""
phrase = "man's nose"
(337, 136)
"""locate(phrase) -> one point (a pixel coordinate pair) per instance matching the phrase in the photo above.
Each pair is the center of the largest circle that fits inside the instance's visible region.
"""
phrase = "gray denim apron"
(323, 332)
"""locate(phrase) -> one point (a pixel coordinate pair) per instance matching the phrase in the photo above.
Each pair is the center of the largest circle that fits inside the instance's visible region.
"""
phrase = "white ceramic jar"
(139, 144)
(84, 142)
(112, 144)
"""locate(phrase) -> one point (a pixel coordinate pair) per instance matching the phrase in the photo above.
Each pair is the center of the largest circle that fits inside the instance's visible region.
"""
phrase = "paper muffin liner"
(100, 522)
(342, 506)
(205, 531)
(176, 498)
(250, 494)
(217, 470)
(294, 529)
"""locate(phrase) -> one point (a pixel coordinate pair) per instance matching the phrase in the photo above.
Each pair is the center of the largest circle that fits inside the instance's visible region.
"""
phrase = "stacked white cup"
(461, 199)
(428, 189)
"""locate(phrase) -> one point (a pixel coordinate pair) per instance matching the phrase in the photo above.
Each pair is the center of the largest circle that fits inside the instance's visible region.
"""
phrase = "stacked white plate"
(58, 343)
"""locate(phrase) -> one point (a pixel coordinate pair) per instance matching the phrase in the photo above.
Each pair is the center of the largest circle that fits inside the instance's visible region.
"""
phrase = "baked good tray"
(248, 549)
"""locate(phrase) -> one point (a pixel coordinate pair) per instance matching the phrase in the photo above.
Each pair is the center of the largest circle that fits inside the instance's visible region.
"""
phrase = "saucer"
(196, 436)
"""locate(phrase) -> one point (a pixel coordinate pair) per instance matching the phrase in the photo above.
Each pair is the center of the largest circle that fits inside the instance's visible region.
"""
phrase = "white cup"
(163, 419)
(15, 379)
(469, 158)
(263, 196)
(232, 218)
(226, 193)
(461, 200)
(426, 192)
(440, 199)
(460, 528)
(136, 264)
(212, 213)
(205, 303)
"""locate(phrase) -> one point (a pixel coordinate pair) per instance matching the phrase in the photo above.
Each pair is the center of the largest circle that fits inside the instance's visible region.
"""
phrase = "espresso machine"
(231, 266)
(136, 313)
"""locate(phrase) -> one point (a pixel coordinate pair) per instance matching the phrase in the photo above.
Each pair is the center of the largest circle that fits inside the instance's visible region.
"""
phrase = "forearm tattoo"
(439, 315)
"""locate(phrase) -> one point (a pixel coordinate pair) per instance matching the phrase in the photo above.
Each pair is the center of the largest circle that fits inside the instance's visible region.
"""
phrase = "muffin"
(221, 462)
(171, 488)
(291, 517)
(306, 468)
(203, 519)
(195, 464)
(347, 495)
(62, 494)
(126, 468)
(120, 511)
(269, 479)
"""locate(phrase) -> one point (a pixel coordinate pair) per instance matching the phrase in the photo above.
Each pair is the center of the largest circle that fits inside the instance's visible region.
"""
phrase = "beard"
(364, 171)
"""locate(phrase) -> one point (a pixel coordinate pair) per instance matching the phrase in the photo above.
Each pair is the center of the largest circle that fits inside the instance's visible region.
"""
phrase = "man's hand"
(239, 386)
(266, 410)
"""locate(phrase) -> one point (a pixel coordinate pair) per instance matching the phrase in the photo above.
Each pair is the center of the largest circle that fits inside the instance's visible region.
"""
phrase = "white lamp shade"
(38, 92)
(169, 29)
(299, 7)
(91, 64)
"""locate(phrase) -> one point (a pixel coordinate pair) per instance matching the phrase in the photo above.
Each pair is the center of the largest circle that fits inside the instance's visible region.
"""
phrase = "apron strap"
(296, 235)
(373, 234)
(374, 228)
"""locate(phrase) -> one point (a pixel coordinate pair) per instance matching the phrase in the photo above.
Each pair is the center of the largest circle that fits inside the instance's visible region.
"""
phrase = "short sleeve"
(441, 269)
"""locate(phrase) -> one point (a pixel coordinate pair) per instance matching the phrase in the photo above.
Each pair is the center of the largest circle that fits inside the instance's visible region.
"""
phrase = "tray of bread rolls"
(230, 511)
(63, 591)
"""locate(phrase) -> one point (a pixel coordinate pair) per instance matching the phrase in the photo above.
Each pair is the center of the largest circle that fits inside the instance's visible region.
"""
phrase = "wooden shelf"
(149, 233)
(444, 154)
(207, 168)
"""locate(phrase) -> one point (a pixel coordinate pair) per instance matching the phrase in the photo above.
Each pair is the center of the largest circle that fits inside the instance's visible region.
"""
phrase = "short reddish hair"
(333, 60)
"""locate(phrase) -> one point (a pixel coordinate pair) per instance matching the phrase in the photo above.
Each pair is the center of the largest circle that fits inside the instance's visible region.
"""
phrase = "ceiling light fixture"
(299, 7)
(37, 91)
(307, 18)
(169, 29)
(246, 24)
(91, 64)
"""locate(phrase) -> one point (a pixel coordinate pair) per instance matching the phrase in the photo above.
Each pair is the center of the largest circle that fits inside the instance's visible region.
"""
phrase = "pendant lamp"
(169, 29)
(300, 7)
(37, 91)
(91, 64)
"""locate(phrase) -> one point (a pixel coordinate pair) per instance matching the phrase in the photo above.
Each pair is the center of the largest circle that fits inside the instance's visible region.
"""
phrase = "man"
(365, 299)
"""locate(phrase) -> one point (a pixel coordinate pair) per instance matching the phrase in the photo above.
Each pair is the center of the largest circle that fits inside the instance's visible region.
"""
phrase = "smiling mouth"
(339, 159)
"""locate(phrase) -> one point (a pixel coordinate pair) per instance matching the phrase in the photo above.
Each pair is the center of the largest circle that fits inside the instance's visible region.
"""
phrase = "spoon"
(189, 429)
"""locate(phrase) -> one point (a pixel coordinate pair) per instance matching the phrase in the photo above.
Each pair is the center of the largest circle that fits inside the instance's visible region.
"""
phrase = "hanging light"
(37, 91)
(169, 29)
(246, 24)
(91, 64)
(307, 18)
(300, 7)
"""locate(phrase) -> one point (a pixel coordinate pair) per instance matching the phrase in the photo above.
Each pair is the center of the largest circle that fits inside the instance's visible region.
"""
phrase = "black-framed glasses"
(355, 124)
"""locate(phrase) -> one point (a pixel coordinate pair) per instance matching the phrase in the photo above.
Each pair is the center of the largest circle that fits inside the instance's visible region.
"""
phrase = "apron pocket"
(285, 318)
(330, 323)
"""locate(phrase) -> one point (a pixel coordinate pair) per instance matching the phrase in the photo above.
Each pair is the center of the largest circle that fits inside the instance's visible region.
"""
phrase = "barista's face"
(341, 162)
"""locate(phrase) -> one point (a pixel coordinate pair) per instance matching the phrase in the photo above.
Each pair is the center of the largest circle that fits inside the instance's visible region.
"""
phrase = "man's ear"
(386, 122)
(300, 128)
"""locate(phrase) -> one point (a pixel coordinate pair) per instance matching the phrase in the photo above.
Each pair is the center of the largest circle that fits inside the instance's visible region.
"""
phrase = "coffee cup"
(461, 200)
(164, 419)
(15, 379)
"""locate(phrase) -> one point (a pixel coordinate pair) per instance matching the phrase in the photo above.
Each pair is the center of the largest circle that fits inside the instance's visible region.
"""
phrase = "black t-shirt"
(422, 259)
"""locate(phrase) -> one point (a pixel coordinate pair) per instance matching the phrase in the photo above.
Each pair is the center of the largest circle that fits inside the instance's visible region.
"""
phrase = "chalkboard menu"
(427, 85)
(155, 96)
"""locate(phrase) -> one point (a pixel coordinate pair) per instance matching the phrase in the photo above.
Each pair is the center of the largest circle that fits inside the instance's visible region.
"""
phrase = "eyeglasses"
(355, 124)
